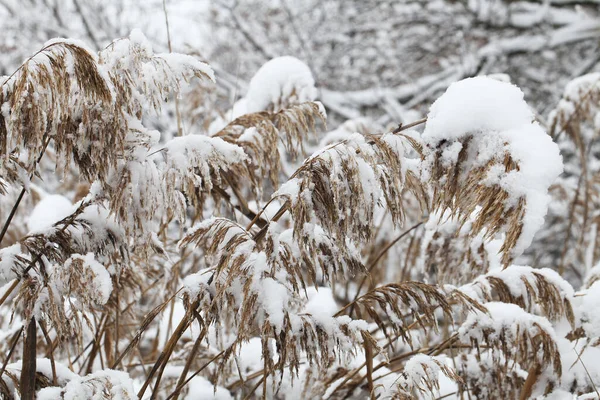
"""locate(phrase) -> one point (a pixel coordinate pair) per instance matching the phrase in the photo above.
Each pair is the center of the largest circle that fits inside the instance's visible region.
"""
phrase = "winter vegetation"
(325, 199)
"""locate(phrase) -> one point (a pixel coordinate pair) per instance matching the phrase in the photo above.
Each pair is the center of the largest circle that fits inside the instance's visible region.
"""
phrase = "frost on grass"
(84, 274)
(265, 135)
(487, 158)
(192, 162)
(340, 186)
(279, 84)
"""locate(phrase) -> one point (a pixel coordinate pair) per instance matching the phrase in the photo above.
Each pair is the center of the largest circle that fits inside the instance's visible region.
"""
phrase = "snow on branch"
(451, 253)
(104, 384)
(339, 187)
(510, 333)
(422, 372)
(254, 284)
(578, 105)
(58, 93)
(484, 156)
(279, 83)
(91, 107)
(193, 162)
(528, 288)
(260, 133)
(68, 267)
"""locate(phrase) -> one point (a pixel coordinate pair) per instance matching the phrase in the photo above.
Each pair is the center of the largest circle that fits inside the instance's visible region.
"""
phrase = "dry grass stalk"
(460, 187)
(259, 134)
(104, 282)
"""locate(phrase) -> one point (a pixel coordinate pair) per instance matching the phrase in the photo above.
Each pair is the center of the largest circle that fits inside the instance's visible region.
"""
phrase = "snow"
(117, 384)
(588, 307)
(138, 39)
(479, 104)
(44, 367)
(442, 226)
(191, 164)
(580, 85)
(8, 262)
(181, 64)
(582, 362)
(502, 316)
(250, 355)
(101, 226)
(516, 276)
(100, 280)
(256, 287)
(187, 151)
(573, 98)
(239, 108)
(169, 320)
(72, 42)
(280, 78)
(273, 297)
(290, 189)
(320, 302)
(342, 132)
(560, 394)
(50, 209)
(496, 115)
(195, 283)
(420, 368)
(49, 393)
(201, 389)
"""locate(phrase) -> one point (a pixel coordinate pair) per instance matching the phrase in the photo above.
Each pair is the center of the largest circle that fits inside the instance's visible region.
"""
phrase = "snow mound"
(492, 118)
(48, 211)
(477, 104)
(280, 81)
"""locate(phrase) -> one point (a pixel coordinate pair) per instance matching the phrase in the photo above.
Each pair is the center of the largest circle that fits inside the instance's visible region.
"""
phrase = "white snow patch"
(48, 211)
(280, 78)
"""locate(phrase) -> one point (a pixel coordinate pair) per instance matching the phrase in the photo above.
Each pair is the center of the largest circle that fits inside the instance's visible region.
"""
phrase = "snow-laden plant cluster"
(221, 264)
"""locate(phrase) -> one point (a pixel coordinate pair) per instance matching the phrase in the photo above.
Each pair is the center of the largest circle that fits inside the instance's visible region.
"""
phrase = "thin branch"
(178, 114)
(15, 340)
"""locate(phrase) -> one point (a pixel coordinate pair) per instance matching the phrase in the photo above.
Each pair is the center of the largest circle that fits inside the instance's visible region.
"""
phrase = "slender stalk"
(13, 346)
(49, 342)
(67, 222)
(145, 323)
(28, 369)
(181, 386)
(369, 360)
(401, 127)
(192, 355)
(13, 211)
(372, 265)
(167, 351)
(532, 377)
(177, 113)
